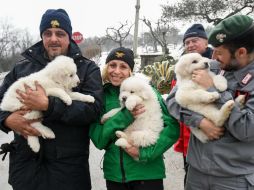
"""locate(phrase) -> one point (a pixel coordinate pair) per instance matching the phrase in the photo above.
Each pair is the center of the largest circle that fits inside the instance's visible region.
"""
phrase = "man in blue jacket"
(62, 163)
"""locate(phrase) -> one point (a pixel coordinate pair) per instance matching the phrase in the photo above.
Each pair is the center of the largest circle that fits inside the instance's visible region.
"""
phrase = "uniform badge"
(247, 78)
(54, 24)
(220, 37)
(119, 54)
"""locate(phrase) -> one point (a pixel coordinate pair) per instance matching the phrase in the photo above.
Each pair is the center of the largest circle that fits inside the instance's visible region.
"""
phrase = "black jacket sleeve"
(79, 113)
(8, 80)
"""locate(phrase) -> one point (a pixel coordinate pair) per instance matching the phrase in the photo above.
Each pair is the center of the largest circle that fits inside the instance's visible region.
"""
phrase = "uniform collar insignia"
(55, 24)
(119, 54)
(220, 37)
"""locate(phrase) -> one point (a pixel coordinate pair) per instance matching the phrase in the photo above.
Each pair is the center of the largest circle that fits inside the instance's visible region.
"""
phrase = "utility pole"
(135, 44)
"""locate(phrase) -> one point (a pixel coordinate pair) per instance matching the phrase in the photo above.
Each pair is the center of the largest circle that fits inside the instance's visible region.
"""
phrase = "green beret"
(229, 29)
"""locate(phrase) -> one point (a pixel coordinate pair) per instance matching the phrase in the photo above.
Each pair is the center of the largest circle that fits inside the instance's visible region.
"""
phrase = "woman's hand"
(34, 99)
(132, 151)
(139, 109)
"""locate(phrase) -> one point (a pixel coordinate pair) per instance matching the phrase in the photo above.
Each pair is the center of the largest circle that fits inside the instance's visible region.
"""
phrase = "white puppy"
(145, 129)
(194, 97)
(57, 78)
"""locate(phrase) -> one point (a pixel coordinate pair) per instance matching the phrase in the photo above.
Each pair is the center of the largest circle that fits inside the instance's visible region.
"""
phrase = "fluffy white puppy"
(57, 78)
(145, 129)
(194, 97)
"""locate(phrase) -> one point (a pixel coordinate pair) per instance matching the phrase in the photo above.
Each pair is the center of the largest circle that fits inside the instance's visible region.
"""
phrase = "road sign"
(77, 37)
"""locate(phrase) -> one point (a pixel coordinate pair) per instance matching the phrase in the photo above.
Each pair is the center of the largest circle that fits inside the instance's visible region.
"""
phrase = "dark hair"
(246, 41)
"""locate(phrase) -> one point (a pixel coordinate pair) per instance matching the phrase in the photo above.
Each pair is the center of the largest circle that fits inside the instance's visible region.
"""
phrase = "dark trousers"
(186, 166)
(156, 184)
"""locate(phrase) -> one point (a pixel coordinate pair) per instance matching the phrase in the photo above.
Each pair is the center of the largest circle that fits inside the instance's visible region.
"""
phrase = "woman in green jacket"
(121, 170)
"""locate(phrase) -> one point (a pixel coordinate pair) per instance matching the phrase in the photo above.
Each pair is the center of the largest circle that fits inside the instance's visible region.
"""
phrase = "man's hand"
(213, 132)
(34, 99)
(202, 78)
(19, 124)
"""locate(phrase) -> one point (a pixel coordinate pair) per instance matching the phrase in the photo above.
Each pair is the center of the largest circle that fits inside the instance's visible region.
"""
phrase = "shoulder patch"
(247, 78)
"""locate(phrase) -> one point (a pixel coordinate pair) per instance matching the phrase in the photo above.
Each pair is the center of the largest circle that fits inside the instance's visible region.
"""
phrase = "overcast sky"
(90, 17)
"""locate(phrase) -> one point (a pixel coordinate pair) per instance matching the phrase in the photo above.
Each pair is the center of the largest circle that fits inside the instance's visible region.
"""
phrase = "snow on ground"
(173, 160)
(4, 138)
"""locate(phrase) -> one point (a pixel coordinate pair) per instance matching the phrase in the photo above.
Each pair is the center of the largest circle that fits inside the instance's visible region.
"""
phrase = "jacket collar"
(37, 53)
(208, 53)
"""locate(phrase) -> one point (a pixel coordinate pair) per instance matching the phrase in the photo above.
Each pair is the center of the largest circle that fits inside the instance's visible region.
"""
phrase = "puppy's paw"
(33, 142)
(229, 105)
(120, 134)
(89, 98)
(240, 100)
(220, 83)
(122, 143)
(67, 100)
(109, 114)
(35, 147)
(221, 86)
(47, 133)
(213, 96)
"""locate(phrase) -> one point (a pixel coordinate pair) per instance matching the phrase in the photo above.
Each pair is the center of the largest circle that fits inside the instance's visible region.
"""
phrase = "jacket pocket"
(250, 179)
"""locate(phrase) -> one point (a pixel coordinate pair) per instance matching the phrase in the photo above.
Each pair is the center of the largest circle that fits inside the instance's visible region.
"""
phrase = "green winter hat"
(229, 29)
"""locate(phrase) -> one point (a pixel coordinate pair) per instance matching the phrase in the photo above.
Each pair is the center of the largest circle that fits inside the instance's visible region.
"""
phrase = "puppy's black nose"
(206, 65)
(124, 98)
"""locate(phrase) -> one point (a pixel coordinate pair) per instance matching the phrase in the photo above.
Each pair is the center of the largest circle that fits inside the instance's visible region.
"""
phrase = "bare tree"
(148, 40)
(12, 42)
(6, 34)
(100, 42)
(212, 11)
(119, 34)
(161, 33)
(26, 40)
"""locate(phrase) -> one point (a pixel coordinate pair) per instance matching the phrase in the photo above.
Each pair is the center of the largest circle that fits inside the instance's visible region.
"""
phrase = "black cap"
(56, 18)
(196, 30)
(123, 54)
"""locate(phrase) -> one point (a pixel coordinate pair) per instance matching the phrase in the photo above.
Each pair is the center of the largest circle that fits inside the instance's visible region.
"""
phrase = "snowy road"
(174, 168)
(173, 160)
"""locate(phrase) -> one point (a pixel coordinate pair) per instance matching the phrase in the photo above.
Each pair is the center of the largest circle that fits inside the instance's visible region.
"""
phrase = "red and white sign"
(77, 37)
